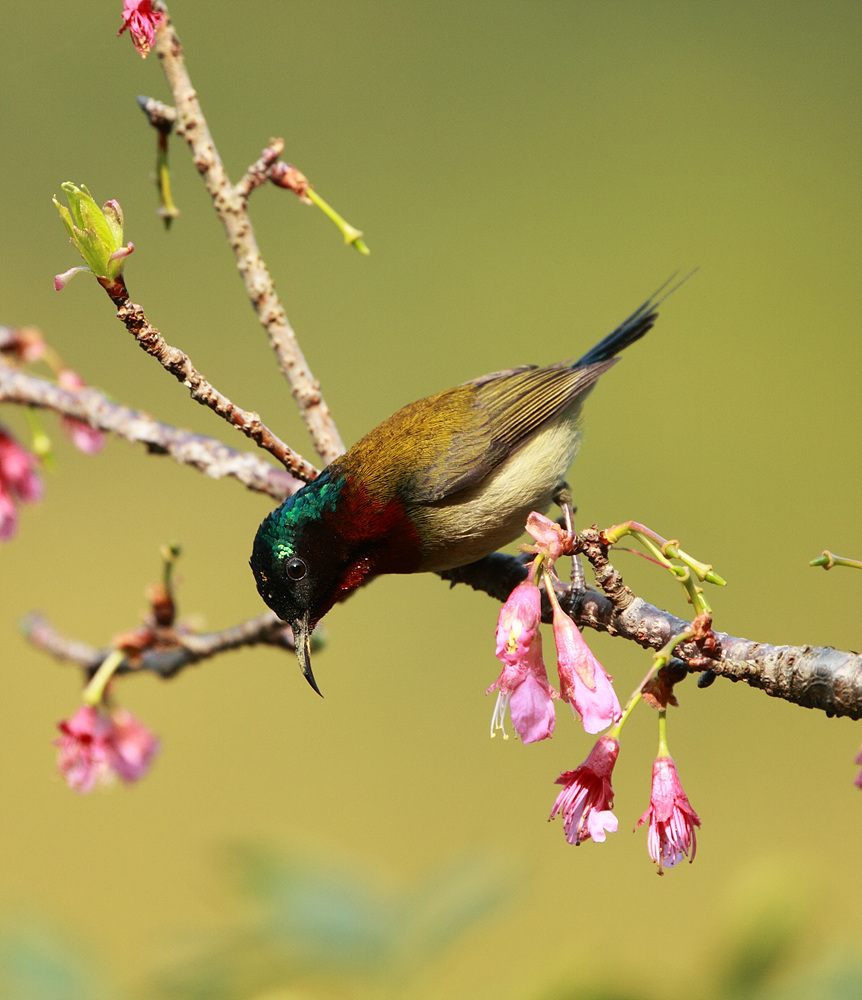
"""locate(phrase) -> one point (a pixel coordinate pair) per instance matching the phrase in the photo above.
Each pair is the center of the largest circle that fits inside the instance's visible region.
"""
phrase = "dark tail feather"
(632, 329)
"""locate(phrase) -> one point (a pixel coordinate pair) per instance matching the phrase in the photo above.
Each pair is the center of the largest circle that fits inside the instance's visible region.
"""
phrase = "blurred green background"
(525, 174)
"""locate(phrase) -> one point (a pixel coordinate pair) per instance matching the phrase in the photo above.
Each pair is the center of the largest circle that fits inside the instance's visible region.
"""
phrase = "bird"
(442, 483)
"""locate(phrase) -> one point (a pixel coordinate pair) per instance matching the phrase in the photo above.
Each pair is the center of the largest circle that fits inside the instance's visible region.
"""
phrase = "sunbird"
(441, 483)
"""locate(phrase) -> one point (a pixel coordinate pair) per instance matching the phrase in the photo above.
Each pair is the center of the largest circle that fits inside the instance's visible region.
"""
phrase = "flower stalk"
(662, 551)
(352, 235)
(94, 692)
(828, 559)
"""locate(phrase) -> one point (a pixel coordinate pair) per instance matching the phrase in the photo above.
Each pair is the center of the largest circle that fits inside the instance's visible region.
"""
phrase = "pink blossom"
(8, 515)
(18, 470)
(19, 481)
(84, 757)
(24, 344)
(142, 21)
(859, 775)
(84, 437)
(671, 817)
(95, 748)
(587, 798)
(518, 623)
(133, 746)
(584, 683)
(522, 686)
(550, 537)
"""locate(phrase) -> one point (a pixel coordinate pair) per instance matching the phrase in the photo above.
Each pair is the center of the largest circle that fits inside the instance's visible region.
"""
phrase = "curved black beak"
(302, 640)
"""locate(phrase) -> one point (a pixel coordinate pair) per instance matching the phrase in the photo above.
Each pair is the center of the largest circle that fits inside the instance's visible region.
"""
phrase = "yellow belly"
(482, 519)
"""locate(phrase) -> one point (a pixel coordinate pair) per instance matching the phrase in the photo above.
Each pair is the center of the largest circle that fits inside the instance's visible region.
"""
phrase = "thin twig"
(172, 359)
(231, 206)
(208, 455)
(258, 173)
(161, 116)
(166, 661)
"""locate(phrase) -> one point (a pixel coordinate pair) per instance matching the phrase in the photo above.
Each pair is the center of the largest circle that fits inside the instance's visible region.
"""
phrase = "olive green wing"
(492, 416)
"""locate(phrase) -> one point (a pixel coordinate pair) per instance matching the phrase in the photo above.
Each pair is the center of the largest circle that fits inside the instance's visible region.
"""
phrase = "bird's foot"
(563, 499)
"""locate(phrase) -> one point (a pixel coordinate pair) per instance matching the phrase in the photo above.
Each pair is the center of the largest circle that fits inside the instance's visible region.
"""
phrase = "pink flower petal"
(133, 747)
(532, 710)
(600, 823)
(8, 516)
(83, 757)
(523, 683)
(672, 820)
(587, 796)
(19, 481)
(584, 683)
(84, 437)
(518, 623)
(548, 534)
(95, 748)
(142, 21)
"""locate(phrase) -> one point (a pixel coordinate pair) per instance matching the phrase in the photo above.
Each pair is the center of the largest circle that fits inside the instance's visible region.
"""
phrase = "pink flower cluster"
(19, 482)
(586, 800)
(96, 748)
(523, 684)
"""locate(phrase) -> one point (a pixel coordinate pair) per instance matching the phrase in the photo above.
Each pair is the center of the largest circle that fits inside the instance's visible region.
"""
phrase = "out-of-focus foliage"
(38, 963)
(306, 930)
(300, 928)
(334, 931)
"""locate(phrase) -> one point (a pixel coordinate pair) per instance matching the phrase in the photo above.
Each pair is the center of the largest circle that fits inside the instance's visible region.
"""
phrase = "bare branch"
(810, 676)
(258, 173)
(161, 116)
(206, 454)
(164, 660)
(231, 206)
(172, 359)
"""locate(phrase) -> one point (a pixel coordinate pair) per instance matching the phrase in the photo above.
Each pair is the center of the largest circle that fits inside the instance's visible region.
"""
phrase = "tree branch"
(812, 677)
(173, 652)
(231, 207)
(175, 361)
(205, 454)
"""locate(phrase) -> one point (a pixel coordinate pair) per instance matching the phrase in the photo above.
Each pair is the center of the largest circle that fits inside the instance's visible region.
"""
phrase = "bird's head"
(297, 563)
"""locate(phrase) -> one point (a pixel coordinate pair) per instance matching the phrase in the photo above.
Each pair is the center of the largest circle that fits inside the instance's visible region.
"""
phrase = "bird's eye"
(296, 568)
